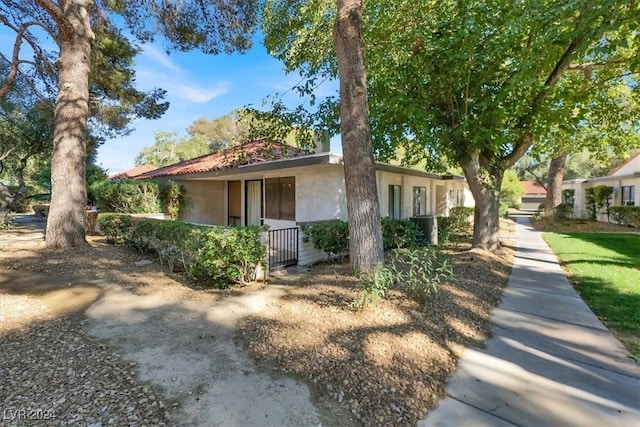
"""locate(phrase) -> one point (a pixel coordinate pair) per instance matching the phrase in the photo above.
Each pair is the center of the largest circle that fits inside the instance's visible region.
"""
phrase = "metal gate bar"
(283, 248)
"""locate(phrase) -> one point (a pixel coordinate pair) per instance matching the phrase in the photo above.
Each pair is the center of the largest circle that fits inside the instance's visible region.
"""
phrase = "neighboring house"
(273, 184)
(534, 195)
(625, 182)
(132, 173)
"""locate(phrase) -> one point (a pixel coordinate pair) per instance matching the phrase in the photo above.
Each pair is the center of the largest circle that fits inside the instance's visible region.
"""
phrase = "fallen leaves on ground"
(385, 365)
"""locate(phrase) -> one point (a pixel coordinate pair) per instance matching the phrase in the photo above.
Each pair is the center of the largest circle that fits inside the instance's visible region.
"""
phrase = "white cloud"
(161, 58)
(195, 93)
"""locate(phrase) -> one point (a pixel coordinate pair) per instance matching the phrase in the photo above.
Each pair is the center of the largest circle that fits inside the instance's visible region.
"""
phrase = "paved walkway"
(550, 362)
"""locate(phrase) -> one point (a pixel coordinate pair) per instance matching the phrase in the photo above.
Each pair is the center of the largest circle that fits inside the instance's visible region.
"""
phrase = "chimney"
(321, 141)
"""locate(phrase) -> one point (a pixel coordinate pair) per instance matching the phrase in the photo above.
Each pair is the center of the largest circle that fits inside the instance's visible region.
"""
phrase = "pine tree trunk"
(66, 219)
(554, 185)
(485, 188)
(365, 233)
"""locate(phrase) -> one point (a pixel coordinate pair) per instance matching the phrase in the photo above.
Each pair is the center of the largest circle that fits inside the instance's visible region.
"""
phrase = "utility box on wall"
(429, 226)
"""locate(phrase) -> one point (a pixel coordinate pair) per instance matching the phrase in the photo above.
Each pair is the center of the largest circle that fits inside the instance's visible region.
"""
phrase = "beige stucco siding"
(320, 194)
(208, 202)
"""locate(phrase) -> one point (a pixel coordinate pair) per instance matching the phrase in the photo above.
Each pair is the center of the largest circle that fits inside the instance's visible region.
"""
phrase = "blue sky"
(197, 86)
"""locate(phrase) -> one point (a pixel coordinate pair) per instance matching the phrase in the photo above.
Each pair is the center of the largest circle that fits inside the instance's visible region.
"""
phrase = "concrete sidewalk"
(550, 362)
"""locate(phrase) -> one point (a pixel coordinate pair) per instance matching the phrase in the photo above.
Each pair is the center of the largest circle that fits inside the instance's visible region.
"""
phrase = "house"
(625, 181)
(282, 187)
(534, 195)
(132, 173)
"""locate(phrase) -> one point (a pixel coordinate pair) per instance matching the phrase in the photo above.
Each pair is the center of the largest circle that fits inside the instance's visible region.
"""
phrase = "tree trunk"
(365, 232)
(66, 220)
(554, 185)
(485, 188)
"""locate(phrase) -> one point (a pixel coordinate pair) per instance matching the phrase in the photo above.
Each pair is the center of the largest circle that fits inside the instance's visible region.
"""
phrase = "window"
(419, 201)
(280, 195)
(456, 198)
(394, 202)
(629, 195)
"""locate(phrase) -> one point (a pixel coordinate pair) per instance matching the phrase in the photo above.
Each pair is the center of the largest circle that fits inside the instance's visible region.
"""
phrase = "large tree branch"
(57, 14)
(526, 140)
(539, 180)
(23, 34)
(15, 56)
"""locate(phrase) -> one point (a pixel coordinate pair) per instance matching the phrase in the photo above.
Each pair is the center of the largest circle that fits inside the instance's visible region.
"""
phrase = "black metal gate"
(283, 248)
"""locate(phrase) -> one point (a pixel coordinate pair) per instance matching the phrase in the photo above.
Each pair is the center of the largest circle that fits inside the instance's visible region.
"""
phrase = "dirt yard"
(92, 336)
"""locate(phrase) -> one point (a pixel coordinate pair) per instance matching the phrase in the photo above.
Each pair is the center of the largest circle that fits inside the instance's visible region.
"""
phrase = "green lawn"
(605, 269)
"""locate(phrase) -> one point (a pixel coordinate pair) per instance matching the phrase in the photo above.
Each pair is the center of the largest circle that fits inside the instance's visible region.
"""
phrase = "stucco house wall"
(627, 175)
(319, 189)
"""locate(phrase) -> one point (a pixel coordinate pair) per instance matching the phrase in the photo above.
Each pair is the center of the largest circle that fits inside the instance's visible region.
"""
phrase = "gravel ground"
(53, 374)
(382, 366)
(151, 350)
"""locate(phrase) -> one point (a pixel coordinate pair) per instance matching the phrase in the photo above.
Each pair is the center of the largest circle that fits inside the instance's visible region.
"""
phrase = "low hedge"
(626, 215)
(216, 256)
(332, 237)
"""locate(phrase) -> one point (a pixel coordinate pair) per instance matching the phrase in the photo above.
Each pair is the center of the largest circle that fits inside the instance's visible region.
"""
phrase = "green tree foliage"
(169, 149)
(475, 82)
(84, 33)
(512, 189)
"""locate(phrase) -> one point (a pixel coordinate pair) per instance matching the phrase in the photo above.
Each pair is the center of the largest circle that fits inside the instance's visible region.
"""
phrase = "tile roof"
(533, 188)
(254, 152)
(131, 173)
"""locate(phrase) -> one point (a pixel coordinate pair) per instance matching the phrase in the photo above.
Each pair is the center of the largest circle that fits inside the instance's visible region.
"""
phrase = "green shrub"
(400, 233)
(114, 226)
(127, 196)
(564, 211)
(460, 219)
(139, 196)
(503, 209)
(173, 198)
(217, 256)
(420, 273)
(331, 237)
(598, 199)
(445, 230)
(626, 215)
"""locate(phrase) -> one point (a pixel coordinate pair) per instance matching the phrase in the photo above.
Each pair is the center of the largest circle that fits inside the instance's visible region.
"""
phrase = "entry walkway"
(550, 362)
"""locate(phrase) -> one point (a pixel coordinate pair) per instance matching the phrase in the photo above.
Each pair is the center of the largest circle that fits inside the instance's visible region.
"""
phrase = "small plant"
(7, 223)
(374, 287)
(420, 272)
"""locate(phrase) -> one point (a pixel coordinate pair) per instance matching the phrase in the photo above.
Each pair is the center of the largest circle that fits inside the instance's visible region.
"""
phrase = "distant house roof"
(252, 153)
(132, 173)
(532, 188)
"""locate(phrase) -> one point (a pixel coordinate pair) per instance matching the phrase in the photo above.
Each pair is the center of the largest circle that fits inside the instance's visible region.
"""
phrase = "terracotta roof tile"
(131, 173)
(253, 152)
(533, 188)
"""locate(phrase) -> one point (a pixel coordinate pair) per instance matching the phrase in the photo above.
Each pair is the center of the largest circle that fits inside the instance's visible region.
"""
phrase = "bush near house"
(332, 237)
(458, 222)
(626, 215)
(216, 256)
(138, 196)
